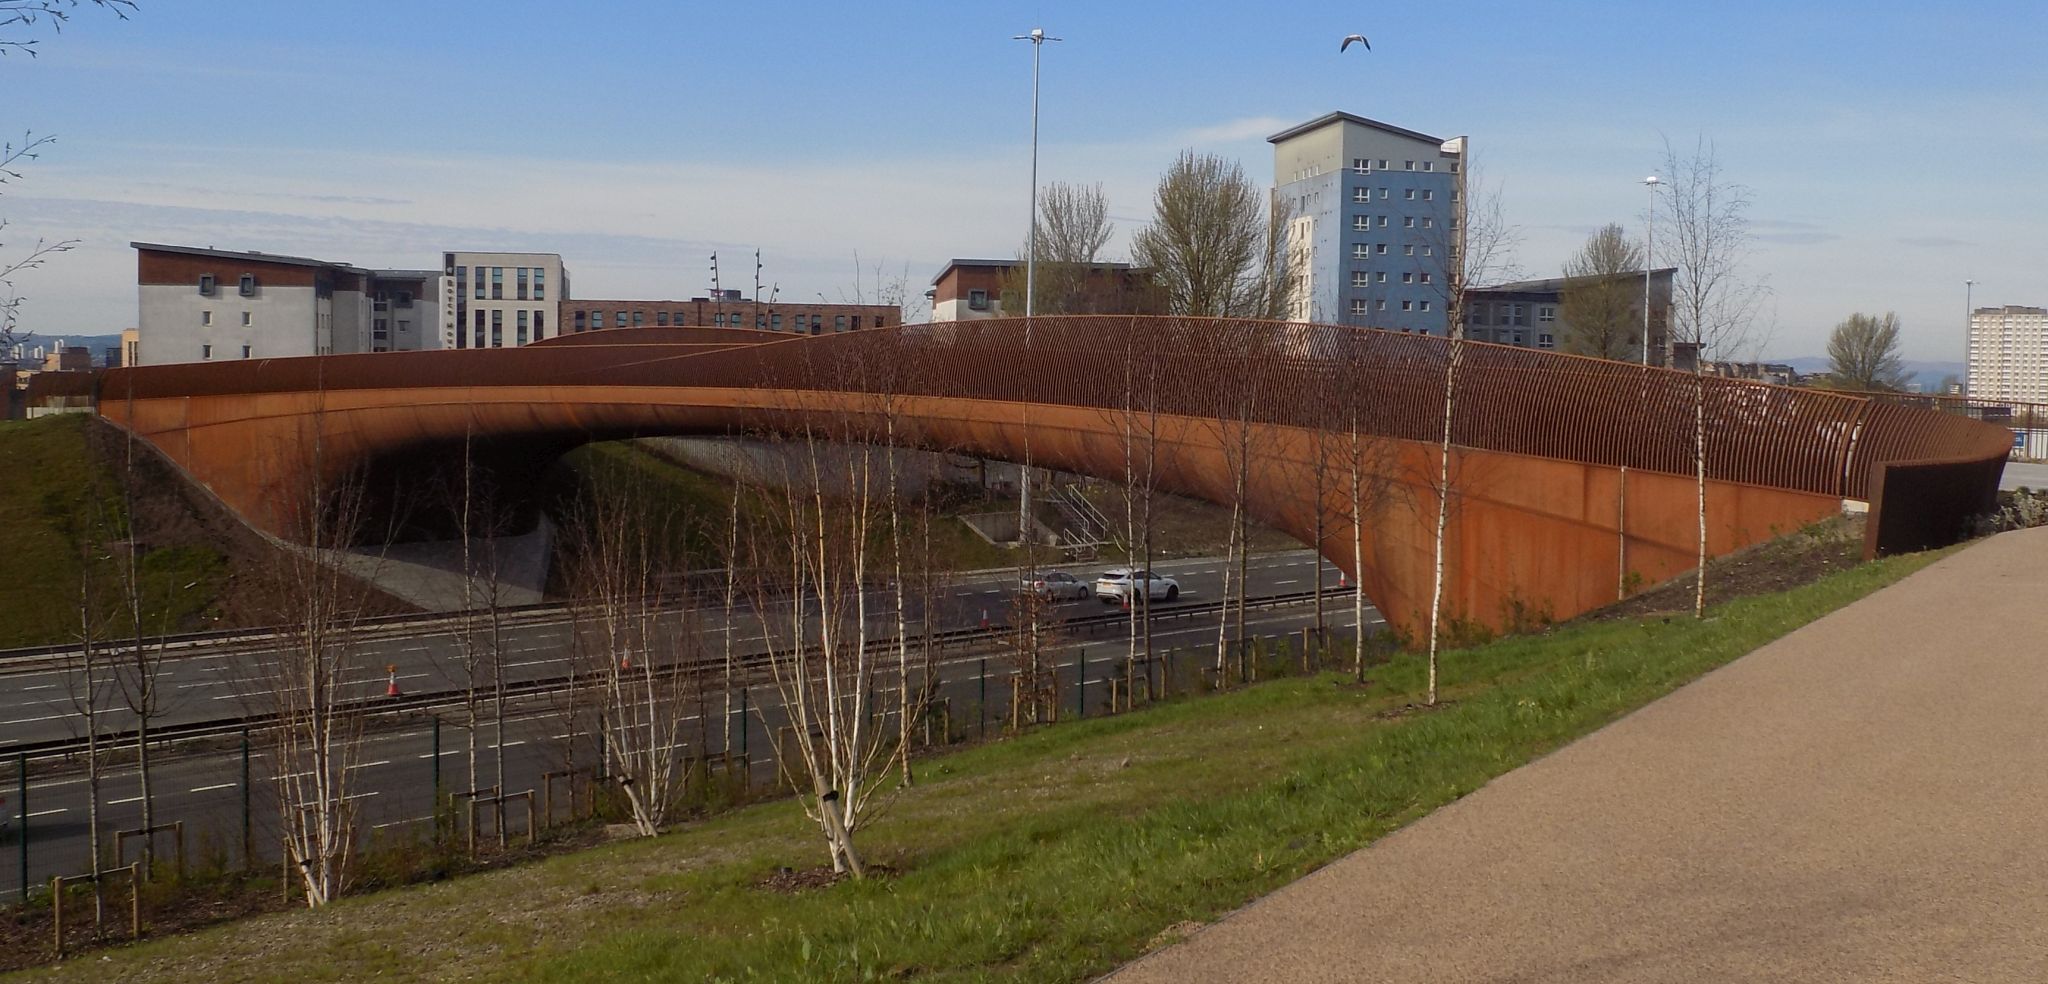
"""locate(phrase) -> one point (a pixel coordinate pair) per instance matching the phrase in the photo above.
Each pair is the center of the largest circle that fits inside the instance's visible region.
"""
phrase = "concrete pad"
(1865, 799)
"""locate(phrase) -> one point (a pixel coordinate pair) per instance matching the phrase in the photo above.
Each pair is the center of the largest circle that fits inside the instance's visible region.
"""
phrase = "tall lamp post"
(1649, 249)
(1969, 325)
(1038, 38)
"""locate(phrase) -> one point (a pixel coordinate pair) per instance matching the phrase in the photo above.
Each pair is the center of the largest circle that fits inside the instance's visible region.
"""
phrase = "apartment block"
(2009, 354)
(727, 309)
(501, 300)
(1373, 207)
(199, 304)
(1530, 313)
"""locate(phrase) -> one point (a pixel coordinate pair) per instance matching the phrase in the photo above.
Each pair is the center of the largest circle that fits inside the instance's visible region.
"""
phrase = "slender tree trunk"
(1443, 510)
(1699, 436)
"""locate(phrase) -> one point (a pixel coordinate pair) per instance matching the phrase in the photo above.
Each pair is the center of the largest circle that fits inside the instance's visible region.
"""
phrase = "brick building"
(969, 290)
(730, 310)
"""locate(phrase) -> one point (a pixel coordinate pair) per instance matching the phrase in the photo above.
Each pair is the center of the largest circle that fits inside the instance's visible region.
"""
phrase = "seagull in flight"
(1348, 38)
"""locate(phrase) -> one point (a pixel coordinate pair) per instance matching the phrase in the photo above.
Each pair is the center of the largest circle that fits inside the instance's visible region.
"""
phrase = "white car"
(1116, 586)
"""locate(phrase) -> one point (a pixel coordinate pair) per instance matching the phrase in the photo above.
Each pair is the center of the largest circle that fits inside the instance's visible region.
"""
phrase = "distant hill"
(1927, 374)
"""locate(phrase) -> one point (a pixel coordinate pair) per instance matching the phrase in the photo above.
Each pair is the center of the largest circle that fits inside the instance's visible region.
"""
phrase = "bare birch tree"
(1713, 302)
(640, 671)
(1481, 246)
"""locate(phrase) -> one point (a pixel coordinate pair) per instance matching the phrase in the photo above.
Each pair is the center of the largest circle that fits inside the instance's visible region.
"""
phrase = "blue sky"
(1892, 149)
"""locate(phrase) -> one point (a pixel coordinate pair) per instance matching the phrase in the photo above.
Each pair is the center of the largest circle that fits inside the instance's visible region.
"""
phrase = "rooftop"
(1006, 264)
(1551, 285)
(260, 257)
(1343, 117)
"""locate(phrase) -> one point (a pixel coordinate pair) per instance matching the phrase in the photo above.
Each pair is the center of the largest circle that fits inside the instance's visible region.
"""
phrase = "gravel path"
(1865, 799)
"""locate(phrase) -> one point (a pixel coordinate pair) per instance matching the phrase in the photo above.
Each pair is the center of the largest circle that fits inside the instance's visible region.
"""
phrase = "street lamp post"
(1038, 38)
(1649, 249)
(1969, 319)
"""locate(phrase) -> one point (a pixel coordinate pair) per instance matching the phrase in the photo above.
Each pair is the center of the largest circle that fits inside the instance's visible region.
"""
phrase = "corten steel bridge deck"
(1571, 478)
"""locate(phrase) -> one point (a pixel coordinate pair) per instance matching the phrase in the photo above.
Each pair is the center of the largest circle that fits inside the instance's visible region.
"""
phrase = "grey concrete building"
(2009, 353)
(1530, 313)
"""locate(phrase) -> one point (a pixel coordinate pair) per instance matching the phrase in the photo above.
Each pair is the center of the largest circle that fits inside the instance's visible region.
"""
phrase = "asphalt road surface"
(215, 682)
(222, 801)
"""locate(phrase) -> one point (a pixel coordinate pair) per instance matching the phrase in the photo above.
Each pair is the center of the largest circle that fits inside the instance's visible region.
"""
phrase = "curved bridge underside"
(1571, 479)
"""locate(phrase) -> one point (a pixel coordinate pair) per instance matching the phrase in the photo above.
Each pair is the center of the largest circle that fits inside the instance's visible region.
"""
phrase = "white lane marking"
(444, 753)
(42, 686)
(50, 813)
(125, 802)
(49, 717)
(371, 765)
(1289, 581)
(209, 789)
(394, 823)
(202, 683)
(512, 744)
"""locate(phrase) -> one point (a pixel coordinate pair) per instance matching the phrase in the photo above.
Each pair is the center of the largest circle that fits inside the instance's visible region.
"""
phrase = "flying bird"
(1360, 38)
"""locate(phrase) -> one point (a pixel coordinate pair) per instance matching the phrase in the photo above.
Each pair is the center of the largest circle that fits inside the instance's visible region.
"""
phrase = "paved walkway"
(1863, 800)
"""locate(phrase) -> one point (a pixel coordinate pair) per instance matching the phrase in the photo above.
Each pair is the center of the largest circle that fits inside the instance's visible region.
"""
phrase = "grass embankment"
(707, 499)
(61, 511)
(1050, 857)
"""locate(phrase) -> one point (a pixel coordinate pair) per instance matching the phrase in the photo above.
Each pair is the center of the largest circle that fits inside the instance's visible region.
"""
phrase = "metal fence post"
(984, 697)
(1081, 684)
(21, 764)
(437, 763)
(743, 731)
(248, 844)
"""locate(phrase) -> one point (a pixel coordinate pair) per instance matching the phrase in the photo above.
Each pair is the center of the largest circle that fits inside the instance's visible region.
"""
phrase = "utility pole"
(717, 296)
(757, 289)
(1969, 324)
(1038, 38)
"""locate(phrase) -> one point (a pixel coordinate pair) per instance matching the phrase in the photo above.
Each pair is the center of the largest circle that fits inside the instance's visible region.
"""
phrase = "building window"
(1360, 251)
(497, 283)
(618, 319)
(1428, 195)
(1361, 222)
(661, 319)
(479, 294)
(1425, 305)
(246, 350)
(206, 285)
(1546, 313)
(1383, 163)
(497, 329)
(1545, 340)
(1359, 306)
(521, 327)
(856, 322)
(1428, 223)
(248, 285)
(1425, 278)
(1385, 194)
(1383, 277)
(775, 322)
(817, 323)
(1477, 315)
(1408, 194)
(1426, 251)
(1429, 165)
(718, 319)
(1380, 248)
(380, 329)
(521, 287)
(761, 321)
(1408, 250)
(639, 318)
(206, 317)
(1360, 278)
(404, 326)
(1407, 222)
(540, 325)
(1362, 165)
(477, 331)
(248, 318)
(540, 283)
(1407, 278)
(1382, 305)
(1361, 194)
(1407, 305)
(1383, 221)
(977, 300)
(1407, 165)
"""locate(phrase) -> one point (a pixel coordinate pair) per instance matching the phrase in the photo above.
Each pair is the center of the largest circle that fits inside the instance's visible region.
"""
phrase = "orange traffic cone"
(984, 620)
(391, 685)
(1341, 581)
(1127, 602)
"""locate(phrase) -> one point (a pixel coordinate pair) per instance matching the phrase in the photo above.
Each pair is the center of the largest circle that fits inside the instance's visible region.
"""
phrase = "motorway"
(395, 770)
(220, 682)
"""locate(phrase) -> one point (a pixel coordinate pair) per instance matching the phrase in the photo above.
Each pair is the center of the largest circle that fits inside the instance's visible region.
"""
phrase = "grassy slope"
(56, 494)
(1050, 857)
(708, 497)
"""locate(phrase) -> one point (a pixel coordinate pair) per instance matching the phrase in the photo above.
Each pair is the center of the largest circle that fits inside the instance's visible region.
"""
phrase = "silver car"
(1057, 586)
